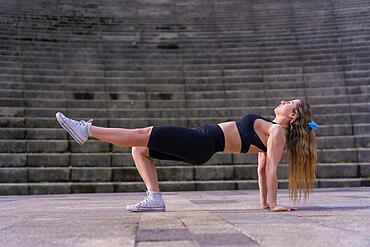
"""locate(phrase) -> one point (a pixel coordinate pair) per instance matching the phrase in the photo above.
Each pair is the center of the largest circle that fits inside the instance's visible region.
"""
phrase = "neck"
(282, 121)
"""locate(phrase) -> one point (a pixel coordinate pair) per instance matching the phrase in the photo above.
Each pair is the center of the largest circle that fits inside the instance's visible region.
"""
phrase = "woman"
(293, 125)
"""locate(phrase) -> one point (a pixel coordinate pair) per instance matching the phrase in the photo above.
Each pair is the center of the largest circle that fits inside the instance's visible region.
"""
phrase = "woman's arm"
(262, 179)
(275, 147)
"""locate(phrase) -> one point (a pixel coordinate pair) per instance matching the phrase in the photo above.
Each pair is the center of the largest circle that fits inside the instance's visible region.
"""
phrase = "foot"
(152, 202)
(79, 130)
(265, 205)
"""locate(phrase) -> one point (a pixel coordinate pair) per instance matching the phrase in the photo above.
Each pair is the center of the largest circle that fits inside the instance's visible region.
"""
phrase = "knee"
(139, 151)
(261, 170)
(144, 133)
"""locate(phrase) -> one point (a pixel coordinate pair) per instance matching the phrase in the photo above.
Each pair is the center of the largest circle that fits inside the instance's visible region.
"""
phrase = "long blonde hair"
(301, 153)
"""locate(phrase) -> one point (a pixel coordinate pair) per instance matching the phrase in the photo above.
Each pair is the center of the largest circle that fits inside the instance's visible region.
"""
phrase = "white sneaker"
(79, 130)
(152, 202)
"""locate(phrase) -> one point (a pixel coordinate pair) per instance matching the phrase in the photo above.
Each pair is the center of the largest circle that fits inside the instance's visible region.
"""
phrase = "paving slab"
(332, 217)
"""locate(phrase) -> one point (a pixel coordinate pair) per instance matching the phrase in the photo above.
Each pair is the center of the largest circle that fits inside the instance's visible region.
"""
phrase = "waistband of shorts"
(219, 138)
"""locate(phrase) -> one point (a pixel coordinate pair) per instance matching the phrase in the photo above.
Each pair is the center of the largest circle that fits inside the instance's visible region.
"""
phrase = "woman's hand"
(278, 208)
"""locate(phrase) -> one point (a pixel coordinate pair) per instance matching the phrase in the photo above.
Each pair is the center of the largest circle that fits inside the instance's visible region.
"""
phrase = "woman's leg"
(136, 138)
(81, 131)
(146, 168)
(122, 137)
(144, 164)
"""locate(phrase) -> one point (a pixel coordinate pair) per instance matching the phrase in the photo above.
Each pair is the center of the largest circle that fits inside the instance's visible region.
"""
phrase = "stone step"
(72, 92)
(307, 57)
(230, 70)
(220, 72)
(344, 129)
(50, 122)
(209, 38)
(123, 159)
(198, 37)
(149, 40)
(195, 99)
(96, 55)
(169, 173)
(170, 103)
(222, 112)
(204, 92)
(60, 134)
(40, 145)
(306, 45)
(276, 16)
(192, 54)
(192, 15)
(148, 34)
(53, 146)
(253, 90)
(313, 80)
(210, 35)
(276, 9)
(107, 187)
(229, 58)
(223, 33)
(96, 67)
(35, 134)
(361, 71)
(159, 73)
(65, 159)
(189, 70)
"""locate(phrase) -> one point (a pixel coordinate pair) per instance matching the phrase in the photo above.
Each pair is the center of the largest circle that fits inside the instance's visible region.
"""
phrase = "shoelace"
(81, 122)
(146, 199)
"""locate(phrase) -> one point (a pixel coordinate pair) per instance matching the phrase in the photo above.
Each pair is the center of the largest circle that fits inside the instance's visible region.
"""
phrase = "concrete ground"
(333, 217)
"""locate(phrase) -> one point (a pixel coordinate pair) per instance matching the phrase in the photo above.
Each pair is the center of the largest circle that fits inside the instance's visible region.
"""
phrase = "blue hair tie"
(313, 125)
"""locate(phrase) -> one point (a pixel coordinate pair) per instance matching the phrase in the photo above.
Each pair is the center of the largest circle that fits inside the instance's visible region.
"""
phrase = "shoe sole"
(148, 210)
(69, 129)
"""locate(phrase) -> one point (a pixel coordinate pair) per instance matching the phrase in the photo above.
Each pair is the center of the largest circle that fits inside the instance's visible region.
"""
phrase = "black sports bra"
(247, 134)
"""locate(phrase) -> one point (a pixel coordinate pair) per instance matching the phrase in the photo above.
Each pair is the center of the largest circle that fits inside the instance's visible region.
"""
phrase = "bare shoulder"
(277, 133)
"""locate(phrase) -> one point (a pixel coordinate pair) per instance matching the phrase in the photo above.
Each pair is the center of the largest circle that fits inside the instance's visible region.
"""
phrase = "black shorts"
(192, 145)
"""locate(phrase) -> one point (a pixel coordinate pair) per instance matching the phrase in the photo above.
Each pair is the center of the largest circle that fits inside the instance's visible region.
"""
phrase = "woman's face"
(286, 108)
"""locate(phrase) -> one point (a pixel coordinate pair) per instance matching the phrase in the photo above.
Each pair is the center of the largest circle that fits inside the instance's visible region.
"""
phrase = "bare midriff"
(233, 142)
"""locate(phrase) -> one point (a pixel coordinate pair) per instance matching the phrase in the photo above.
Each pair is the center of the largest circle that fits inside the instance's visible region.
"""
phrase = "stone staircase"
(139, 62)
